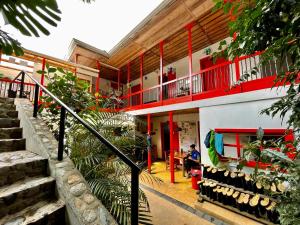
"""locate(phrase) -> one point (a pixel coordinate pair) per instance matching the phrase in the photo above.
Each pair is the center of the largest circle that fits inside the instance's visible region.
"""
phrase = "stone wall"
(81, 205)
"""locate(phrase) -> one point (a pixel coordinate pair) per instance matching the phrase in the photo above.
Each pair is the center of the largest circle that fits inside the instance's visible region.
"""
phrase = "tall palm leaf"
(27, 17)
(108, 176)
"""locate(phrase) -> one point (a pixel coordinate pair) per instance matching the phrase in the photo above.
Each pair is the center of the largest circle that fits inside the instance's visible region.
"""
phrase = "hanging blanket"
(219, 145)
(212, 150)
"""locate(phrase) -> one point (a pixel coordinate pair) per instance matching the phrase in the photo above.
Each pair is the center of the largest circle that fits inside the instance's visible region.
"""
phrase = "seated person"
(192, 160)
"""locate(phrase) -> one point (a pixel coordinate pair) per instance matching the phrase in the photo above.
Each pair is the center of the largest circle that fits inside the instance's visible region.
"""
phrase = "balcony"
(231, 77)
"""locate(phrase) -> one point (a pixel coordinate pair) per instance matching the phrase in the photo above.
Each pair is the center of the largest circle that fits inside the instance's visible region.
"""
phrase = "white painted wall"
(235, 115)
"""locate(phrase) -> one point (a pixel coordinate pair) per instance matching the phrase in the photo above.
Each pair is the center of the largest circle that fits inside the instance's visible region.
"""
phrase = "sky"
(102, 24)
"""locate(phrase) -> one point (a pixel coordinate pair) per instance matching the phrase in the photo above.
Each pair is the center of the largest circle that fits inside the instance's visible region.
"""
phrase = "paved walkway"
(167, 213)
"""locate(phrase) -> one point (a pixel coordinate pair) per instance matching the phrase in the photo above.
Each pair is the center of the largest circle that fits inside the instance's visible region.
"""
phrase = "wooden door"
(218, 78)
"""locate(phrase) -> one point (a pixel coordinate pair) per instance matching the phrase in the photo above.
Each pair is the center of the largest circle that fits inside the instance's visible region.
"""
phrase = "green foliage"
(108, 176)
(272, 26)
(29, 17)
(68, 88)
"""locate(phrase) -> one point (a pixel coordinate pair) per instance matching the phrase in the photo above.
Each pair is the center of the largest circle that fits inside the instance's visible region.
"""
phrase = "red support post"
(128, 84)
(98, 78)
(76, 61)
(149, 148)
(237, 68)
(161, 51)
(238, 145)
(141, 77)
(119, 76)
(189, 29)
(43, 75)
(172, 172)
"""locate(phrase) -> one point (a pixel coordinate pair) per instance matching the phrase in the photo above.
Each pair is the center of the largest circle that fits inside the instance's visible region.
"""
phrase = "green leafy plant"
(26, 16)
(108, 176)
(272, 27)
(70, 89)
(29, 17)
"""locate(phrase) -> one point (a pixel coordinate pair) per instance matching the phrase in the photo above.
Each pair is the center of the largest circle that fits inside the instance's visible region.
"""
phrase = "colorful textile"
(219, 145)
(212, 150)
(207, 140)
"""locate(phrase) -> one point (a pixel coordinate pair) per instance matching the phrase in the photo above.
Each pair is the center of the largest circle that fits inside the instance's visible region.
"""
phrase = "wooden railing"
(207, 83)
(220, 77)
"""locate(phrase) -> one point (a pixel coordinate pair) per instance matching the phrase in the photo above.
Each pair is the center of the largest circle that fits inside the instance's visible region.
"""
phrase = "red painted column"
(141, 77)
(237, 68)
(189, 29)
(119, 76)
(43, 75)
(238, 145)
(149, 147)
(76, 62)
(98, 78)
(161, 51)
(128, 84)
(172, 172)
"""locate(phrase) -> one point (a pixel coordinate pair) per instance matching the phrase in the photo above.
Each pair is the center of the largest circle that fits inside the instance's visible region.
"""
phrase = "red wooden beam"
(128, 83)
(190, 56)
(149, 150)
(98, 78)
(119, 76)
(43, 75)
(172, 172)
(251, 130)
(238, 145)
(141, 77)
(161, 51)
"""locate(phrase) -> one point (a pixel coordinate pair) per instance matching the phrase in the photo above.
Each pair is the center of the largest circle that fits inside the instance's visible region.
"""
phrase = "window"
(235, 139)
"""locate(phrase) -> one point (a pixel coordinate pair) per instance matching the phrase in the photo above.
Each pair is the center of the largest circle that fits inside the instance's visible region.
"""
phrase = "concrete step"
(19, 165)
(42, 213)
(7, 106)
(11, 133)
(22, 194)
(5, 113)
(9, 122)
(7, 100)
(9, 145)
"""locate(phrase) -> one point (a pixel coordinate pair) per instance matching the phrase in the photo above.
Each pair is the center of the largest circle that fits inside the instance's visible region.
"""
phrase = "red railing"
(212, 81)
(245, 72)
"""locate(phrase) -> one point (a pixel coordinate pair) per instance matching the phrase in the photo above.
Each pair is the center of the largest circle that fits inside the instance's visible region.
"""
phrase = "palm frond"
(25, 15)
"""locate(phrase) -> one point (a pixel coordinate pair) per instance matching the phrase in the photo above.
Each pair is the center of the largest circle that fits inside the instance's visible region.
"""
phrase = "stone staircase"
(27, 192)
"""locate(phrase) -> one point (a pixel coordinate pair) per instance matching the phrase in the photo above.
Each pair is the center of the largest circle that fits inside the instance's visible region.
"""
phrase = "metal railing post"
(22, 85)
(61, 133)
(134, 196)
(36, 100)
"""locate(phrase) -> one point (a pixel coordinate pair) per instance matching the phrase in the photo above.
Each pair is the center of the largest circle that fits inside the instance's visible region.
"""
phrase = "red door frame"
(162, 138)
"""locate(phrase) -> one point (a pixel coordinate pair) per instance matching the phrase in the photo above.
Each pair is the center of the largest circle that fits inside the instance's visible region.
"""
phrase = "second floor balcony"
(243, 74)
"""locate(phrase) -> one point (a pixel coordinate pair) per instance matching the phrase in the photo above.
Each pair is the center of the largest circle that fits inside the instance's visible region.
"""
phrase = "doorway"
(165, 138)
(218, 78)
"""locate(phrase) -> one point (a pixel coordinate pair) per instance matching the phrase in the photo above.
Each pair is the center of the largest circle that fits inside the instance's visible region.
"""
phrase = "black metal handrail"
(22, 74)
(135, 169)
